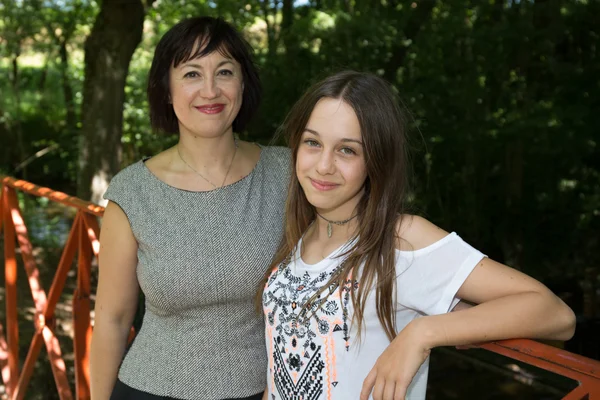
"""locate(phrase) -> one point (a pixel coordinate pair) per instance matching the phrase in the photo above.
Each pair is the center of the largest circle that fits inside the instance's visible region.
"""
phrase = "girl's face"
(330, 164)
(207, 94)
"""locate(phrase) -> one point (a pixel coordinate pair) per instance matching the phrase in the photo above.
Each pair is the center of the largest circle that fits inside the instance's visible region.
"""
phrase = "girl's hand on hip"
(396, 367)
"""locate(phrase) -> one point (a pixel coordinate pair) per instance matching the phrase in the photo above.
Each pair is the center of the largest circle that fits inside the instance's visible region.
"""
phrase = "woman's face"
(330, 163)
(206, 94)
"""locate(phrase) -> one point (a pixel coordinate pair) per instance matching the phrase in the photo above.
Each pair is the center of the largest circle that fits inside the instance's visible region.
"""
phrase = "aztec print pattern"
(302, 337)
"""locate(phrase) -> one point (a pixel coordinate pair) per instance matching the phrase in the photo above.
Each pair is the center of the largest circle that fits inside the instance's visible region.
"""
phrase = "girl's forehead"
(329, 108)
(334, 117)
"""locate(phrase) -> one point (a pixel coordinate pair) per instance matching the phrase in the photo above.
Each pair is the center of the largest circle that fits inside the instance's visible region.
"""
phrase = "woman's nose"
(210, 89)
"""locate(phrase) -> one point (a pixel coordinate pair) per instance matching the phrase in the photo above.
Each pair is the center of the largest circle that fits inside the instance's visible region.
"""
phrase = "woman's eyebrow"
(228, 61)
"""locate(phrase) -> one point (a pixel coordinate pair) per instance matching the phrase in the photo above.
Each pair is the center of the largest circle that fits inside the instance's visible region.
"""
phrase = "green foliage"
(503, 95)
(38, 121)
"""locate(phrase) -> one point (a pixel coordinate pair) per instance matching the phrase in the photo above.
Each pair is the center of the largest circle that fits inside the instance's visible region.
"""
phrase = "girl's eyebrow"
(343, 140)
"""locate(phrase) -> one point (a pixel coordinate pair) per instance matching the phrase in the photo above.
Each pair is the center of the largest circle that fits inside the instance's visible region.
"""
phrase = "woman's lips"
(211, 108)
(323, 185)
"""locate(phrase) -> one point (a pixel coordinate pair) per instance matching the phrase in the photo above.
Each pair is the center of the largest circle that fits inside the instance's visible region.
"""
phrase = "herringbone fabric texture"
(200, 258)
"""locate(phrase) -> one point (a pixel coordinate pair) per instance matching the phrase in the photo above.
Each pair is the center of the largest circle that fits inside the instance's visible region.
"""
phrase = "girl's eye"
(311, 143)
(348, 151)
(191, 74)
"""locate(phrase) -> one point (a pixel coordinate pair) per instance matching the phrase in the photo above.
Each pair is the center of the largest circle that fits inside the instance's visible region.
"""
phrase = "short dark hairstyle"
(179, 45)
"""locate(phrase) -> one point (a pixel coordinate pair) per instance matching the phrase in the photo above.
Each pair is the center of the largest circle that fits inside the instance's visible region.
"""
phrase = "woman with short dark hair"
(190, 40)
(194, 227)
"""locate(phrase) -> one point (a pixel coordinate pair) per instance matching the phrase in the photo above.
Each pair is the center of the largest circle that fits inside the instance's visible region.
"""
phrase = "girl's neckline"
(334, 254)
(216, 190)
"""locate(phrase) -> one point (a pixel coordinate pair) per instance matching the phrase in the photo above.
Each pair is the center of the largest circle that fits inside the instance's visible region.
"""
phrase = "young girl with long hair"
(360, 291)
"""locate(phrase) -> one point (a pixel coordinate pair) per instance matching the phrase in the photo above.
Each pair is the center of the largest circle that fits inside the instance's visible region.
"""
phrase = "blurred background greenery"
(504, 96)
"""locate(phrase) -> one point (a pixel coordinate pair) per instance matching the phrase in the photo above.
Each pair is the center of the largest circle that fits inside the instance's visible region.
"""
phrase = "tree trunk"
(15, 69)
(108, 50)
(271, 39)
(67, 89)
(44, 74)
(348, 7)
(17, 128)
(513, 235)
(289, 41)
(420, 14)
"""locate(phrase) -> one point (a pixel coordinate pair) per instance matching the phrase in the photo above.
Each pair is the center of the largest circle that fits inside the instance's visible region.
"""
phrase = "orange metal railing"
(578, 368)
(83, 241)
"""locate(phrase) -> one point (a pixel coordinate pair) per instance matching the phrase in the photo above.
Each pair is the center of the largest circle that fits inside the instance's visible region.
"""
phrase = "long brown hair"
(382, 124)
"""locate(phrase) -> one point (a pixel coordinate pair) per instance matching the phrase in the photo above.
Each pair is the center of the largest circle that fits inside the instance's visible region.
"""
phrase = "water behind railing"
(48, 223)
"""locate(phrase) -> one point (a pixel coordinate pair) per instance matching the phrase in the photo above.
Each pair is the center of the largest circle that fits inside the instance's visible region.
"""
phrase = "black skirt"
(124, 392)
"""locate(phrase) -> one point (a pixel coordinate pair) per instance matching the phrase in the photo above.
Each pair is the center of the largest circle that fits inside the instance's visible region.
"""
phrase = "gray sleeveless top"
(200, 258)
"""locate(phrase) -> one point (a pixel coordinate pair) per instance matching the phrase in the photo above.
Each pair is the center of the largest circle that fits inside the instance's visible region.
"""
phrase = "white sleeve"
(429, 278)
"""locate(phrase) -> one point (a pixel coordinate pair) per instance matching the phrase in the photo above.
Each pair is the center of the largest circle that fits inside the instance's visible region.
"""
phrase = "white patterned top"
(316, 358)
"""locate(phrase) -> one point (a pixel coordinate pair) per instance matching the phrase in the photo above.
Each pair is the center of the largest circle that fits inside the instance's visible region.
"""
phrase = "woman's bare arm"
(116, 300)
